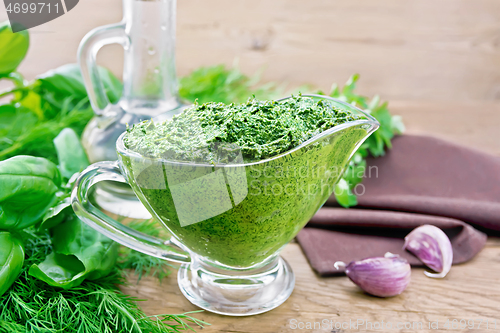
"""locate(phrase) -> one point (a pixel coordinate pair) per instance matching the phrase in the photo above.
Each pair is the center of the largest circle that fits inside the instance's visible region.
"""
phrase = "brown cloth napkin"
(421, 180)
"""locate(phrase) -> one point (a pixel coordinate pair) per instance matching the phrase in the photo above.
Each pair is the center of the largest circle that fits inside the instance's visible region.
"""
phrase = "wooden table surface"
(470, 291)
(437, 62)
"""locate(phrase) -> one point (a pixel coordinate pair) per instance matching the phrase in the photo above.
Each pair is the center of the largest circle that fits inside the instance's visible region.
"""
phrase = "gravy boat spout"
(369, 124)
(229, 221)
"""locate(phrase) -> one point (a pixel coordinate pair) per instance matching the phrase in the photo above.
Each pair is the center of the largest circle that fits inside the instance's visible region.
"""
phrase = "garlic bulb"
(381, 276)
(431, 245)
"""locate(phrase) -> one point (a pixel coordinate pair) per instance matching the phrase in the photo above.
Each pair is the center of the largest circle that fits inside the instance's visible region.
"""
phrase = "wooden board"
(473, 124)
(445, 50)
(470, 291)
(437, 62)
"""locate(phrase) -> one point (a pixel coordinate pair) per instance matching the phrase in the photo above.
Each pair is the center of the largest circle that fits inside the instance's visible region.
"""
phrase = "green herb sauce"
(215, 132)
(233, 214)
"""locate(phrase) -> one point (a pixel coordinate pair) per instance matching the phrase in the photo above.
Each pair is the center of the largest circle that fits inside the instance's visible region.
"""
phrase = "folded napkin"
(421, 180)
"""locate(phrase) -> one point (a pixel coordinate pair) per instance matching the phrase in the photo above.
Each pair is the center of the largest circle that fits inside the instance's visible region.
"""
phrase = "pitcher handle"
(106, 225)
(87, 53)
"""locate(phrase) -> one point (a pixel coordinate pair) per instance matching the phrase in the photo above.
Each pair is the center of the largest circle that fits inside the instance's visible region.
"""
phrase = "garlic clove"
(381, 276)
(431, 245)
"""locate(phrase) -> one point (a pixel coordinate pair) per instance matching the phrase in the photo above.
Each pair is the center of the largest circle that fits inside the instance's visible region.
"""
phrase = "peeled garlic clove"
(382, 276)
(431, 245)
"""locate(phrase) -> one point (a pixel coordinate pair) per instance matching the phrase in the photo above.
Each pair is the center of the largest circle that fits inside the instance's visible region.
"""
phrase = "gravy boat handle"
(113, 229)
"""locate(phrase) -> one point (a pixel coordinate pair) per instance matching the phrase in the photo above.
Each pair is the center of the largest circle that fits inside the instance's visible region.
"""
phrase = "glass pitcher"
(147, 34)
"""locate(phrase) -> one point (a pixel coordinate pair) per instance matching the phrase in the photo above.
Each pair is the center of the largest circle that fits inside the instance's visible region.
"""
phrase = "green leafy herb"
(11, 259)
(72, 160)
(40, 110)
(80, 253)
(57, 213)
(35, 137)
(74, 255)
(28, 187)
(221, 85)
(32, 306)
(66, 81)
(13, 48)
(72, 157)
(389, 125)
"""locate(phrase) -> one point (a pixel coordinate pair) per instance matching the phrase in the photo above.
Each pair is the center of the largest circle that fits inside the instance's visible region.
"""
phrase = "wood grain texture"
(439, 50)
(437, 62)
(473, 124)
(470, 291)
(447, 50)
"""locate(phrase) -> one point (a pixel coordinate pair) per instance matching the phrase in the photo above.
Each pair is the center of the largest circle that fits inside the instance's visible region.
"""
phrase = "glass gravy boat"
(229, 221)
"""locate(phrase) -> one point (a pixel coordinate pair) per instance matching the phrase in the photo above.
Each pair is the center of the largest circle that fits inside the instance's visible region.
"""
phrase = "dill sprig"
(31, 305)
(142, 264)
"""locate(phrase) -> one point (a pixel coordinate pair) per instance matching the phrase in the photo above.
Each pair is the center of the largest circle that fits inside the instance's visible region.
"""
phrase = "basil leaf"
(14, 122)
(7, 118)
(28, 187)
(59, 270)
(56, 214)
(96, 251)
(67, 81)
(80, 253)
(11, 260)
(13, 48)
(72, 157)
(60, 211)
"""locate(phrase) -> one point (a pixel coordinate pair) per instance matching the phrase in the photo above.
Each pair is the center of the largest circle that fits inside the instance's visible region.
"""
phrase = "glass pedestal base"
(237, 293)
